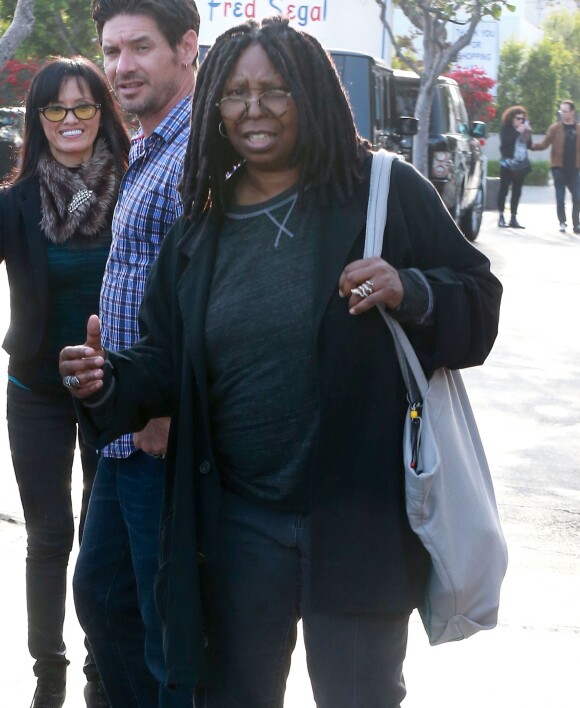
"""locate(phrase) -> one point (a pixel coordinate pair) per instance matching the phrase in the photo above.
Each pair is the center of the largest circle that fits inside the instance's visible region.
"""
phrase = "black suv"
(372, 91)
(382, 100)
(11, 127)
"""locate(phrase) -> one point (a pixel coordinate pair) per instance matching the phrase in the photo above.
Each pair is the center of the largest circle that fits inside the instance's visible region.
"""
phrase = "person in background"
(150, 57)
(285, 482)
(514, 140)
(564, 137)
(55, 233)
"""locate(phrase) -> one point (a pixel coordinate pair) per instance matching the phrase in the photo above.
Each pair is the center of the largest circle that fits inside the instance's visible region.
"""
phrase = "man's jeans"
(114, 582)
(354, 661)
(562, 181)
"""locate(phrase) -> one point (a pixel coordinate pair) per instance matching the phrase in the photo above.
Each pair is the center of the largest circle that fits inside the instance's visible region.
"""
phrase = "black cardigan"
(24, 248)
(365, 558)
(508, 136)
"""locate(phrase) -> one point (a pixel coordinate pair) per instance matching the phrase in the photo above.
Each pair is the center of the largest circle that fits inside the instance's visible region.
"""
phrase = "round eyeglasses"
(272, 102)
(84, 111)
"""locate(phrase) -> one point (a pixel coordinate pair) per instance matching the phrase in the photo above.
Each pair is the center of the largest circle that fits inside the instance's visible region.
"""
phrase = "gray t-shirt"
(260, 350)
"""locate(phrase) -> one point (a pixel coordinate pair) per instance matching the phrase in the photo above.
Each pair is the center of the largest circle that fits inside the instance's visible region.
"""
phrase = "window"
(354, 74)
(459, 111)
(380, 113)
(406, 98)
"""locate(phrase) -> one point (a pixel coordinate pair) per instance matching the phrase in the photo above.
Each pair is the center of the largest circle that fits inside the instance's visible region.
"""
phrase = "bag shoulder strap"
(413, 375)
(378, 198)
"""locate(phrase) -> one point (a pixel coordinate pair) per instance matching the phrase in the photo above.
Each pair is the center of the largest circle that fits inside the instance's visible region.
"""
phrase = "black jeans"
(42, 430)
(508, 178)
(571, 181)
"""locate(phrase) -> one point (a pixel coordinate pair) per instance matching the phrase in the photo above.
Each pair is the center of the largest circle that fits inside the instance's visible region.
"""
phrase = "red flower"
(474, 85)
(15, 81)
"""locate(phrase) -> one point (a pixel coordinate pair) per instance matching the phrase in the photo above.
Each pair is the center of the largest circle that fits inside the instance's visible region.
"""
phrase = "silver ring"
(364, 289)
(71, 382)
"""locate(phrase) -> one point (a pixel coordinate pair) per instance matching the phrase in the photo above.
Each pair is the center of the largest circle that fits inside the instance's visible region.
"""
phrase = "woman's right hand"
(84, 363)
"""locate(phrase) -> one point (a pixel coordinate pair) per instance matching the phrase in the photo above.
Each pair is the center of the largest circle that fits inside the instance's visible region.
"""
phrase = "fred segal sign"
(338, 24)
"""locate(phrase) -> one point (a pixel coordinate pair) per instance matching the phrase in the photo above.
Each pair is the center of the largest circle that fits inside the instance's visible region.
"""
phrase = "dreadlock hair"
(328, 148)
(173, 17)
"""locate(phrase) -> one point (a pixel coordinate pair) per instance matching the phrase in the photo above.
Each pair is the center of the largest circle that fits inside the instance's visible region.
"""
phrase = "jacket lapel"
(342, 225)
(199, 245)
(31, 215)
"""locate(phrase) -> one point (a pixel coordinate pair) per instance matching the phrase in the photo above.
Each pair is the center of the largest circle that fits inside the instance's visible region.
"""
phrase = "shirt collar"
(172, 124)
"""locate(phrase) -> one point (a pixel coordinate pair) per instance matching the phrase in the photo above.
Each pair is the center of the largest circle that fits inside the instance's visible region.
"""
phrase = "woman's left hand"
(373, 276)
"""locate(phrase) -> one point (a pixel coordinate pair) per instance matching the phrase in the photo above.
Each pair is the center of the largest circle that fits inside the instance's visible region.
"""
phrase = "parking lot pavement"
(531, 658)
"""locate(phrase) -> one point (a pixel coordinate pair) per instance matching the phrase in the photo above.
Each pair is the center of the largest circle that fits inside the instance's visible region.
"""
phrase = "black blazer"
(365, 558)
(23, 247)
(508, 136)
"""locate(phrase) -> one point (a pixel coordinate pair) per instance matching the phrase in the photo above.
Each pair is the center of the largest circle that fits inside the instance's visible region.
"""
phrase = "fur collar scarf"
(77, 201)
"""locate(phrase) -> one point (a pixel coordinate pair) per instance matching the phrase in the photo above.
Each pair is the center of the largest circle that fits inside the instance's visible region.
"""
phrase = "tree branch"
(452, 50)
(20, 28)
(395, 45)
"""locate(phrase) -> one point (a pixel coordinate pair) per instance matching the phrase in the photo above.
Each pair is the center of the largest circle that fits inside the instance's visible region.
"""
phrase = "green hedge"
(538, 177)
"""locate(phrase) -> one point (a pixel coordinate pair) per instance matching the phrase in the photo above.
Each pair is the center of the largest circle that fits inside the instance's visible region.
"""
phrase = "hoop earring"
(186, 65)
(222, 130)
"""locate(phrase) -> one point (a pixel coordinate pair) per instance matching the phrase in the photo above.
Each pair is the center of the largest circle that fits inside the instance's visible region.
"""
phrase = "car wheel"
(471, 219)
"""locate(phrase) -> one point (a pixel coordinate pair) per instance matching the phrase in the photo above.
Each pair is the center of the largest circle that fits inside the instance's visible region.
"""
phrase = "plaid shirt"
(149, 202)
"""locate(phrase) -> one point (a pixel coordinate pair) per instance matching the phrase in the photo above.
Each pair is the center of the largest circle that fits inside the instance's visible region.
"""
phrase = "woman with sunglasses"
(515, 138)
(55, 217)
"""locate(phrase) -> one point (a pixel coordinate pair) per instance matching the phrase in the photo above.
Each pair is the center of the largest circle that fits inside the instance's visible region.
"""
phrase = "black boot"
(95, 696)
(50, 687)
(514, 223)
(501, 223)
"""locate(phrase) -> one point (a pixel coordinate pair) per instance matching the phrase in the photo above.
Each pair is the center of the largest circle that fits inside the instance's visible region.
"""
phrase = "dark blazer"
(23, 247)
(365, 558)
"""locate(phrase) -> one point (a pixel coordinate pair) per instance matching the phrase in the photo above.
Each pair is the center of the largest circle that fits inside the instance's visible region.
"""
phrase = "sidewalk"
(531, 659)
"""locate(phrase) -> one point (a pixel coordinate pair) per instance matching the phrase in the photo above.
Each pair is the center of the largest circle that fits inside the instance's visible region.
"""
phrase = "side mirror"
(408, 125)
(478, 129)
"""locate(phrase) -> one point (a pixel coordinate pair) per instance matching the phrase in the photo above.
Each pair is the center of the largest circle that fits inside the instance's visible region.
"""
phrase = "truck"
(383, 103)
(372, 92)
(457, 166)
